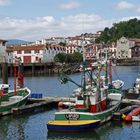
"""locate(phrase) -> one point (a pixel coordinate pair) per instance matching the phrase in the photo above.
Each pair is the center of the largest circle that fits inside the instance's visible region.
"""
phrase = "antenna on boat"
(16, 62)
(83, 75)
(106, 70)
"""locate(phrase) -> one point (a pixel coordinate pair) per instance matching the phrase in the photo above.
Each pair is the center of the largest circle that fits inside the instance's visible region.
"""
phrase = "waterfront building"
(34, 53)
(135, 50)
(112, 50)
(124, 48)
(128, 48)
(3, 54)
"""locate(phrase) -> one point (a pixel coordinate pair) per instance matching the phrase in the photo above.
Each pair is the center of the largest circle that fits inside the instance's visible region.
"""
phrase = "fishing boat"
(92, 102)
(134, 115)
(16, 97)
(137, 85)
(9, 100)
(95, 99)
(72, 125)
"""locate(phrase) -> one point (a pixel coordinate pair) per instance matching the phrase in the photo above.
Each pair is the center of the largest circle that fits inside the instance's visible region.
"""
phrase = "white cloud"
(44, 27)
(138, 10)
(4, 2)
(125, 5)
(71, 5)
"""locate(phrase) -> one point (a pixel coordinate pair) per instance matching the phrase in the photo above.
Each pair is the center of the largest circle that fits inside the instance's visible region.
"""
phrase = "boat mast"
(84, 79)
(99, 87)
(17, 61)
(110, 73)
(106, 70)
(15, 71)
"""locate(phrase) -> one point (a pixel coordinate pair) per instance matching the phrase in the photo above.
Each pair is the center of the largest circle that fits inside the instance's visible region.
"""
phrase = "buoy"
(128, 118)
(123, 116)
(60, 104)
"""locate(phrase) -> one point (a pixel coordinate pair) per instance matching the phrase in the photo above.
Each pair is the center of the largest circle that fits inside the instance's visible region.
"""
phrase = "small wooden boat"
(133, 115)
(72, 125)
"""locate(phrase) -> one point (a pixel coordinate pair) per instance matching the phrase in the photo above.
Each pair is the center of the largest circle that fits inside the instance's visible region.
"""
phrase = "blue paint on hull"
(73, 128)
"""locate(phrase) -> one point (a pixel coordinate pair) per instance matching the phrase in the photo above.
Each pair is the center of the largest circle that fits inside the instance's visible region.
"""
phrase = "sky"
(33, 20)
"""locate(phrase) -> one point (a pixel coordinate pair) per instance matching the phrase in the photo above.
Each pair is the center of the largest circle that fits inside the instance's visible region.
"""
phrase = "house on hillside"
(72, 48)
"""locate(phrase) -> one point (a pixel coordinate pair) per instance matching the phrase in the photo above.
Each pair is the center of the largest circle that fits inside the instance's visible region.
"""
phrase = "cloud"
(45, 27)
(138, 10)
(125, 5)
(4, 2)
(71, 5)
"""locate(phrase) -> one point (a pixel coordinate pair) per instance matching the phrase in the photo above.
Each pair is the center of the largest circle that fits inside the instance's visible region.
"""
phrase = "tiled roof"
(136, 40)
(31, 47)
(1, 40)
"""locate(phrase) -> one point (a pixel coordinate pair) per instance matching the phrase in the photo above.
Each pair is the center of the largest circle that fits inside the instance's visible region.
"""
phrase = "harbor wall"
(39, 69)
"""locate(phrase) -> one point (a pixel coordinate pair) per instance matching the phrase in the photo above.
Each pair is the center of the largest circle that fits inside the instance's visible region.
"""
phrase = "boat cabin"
(4, 88)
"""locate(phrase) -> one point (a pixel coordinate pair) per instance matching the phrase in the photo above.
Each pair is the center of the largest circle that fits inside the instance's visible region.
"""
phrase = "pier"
(35, 105)
(38, 69)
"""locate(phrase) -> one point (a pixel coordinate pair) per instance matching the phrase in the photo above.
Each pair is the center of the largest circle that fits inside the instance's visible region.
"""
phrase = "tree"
(129, 29)
(68, 58)
(61, 57)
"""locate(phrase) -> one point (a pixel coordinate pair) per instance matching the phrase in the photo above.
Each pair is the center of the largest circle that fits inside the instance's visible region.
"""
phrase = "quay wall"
(38, 69)
(42, 69)
(128, 62)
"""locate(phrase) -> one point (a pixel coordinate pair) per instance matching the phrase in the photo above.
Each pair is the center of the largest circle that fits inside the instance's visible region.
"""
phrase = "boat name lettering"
(72, 116)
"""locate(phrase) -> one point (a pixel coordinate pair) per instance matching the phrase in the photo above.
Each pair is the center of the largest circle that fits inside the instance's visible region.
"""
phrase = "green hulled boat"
(11, 99)
(96, 101)
(96, 98)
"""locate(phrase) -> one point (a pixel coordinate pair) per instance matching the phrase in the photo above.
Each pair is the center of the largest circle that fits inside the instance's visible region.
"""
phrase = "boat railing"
(114, 91)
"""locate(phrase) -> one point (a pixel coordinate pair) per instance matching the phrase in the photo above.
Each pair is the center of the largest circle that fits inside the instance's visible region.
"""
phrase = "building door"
(27, 59)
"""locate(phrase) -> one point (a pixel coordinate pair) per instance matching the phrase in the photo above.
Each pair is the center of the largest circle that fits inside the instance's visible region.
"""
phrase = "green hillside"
(129, 29)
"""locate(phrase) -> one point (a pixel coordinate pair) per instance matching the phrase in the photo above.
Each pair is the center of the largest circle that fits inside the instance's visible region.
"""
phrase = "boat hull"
(72, 126)
(7, 108)
(103, 116)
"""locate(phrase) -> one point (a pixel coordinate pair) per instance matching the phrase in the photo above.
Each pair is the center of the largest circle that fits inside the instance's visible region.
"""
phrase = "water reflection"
(33, 126)
(12, 128)
(92, 135)
(102, 133)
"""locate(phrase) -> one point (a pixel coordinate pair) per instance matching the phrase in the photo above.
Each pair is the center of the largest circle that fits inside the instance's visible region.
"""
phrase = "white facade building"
(123, 48)
(3, 54)
(34, 53)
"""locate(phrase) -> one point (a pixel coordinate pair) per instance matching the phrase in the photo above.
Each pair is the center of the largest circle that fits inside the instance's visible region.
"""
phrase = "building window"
(36, 51)
(36, 58)
(3, 43)
(19, 52)
(27, 51)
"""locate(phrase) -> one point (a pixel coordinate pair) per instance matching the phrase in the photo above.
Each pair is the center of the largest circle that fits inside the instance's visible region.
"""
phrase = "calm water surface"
(33, 126)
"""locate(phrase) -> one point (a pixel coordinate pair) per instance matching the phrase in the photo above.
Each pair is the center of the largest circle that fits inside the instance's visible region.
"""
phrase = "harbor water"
(33, 126)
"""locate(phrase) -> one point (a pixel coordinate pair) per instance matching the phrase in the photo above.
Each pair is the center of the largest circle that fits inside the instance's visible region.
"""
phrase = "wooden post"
(33, 69)
(110, 73)
(11, 70)
(20, 76)
(5, 73)
(15, 81)
(45, 68)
